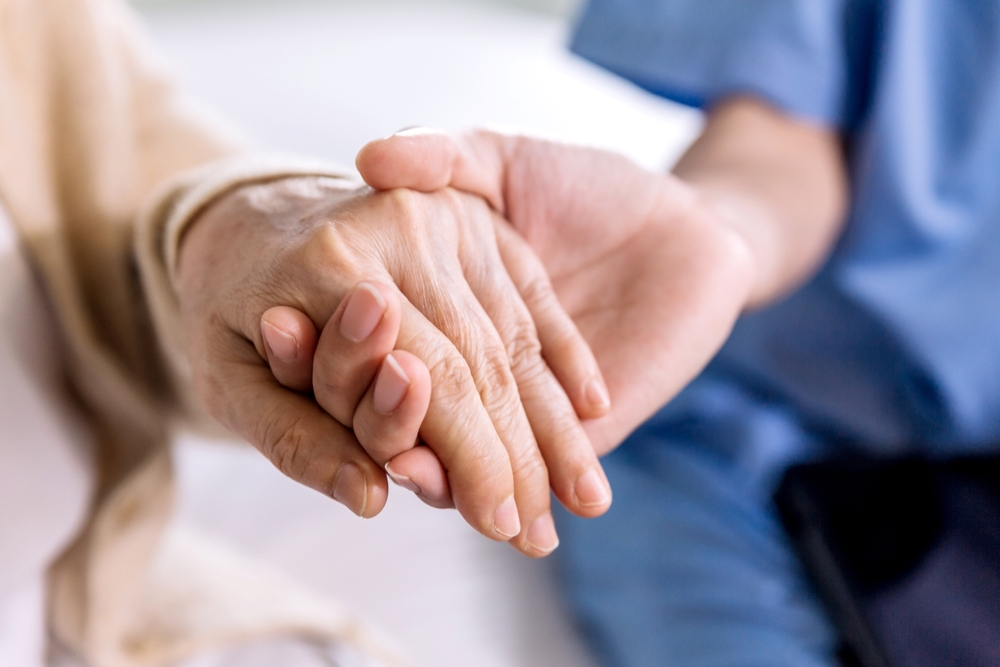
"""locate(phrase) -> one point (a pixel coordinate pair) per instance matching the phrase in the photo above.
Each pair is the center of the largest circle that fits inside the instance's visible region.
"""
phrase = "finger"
(427, 160)
(290, 342)
(575, 474)
(421, 468)
(474, 162)
(466, 324)
(355, 340)
(563, 346)
(461, 431)
(301, 440)
(387, 424)
(388, 418)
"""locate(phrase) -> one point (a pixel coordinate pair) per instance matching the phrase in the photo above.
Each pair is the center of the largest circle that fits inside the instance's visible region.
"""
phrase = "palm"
(649, 274)
(639, 265)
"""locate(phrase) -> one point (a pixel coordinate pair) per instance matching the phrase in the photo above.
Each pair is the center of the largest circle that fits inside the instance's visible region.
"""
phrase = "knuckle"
(405, 214)
(494, 379)
(498, 391)
(528, 466)
(524, 350)
(401, 199)
(283, 443)
(452, 377)
(327, 247)
(403, 208)
(536, 288)
(455, 395)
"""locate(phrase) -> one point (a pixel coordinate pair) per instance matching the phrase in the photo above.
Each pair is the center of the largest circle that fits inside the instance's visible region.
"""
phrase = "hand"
(651, 273)
(438, 292)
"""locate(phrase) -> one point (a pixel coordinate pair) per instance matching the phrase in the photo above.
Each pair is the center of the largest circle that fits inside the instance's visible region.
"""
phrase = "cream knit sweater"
(102, 164)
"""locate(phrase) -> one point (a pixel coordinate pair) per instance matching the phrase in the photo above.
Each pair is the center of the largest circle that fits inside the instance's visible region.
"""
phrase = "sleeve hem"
(160, 227)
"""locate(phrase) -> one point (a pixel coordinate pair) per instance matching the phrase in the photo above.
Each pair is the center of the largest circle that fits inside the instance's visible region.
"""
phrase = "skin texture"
(654, 269)
(438, 280)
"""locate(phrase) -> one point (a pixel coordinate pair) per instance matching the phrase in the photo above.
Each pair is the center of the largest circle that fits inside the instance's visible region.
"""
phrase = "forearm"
(780, 183)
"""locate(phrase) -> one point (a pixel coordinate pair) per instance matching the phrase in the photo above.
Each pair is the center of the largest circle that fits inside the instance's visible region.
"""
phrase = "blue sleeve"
(788, 52)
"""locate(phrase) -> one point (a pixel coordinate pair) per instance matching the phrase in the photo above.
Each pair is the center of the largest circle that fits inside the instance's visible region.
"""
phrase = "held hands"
(485, 367)
(652, 275)
(399, 283)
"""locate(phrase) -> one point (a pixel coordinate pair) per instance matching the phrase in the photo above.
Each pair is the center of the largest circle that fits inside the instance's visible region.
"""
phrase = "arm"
(654, 269)
(779, 182)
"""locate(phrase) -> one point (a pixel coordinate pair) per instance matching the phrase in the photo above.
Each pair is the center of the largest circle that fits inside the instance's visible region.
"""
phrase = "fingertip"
(542, 538)
(591, 494)
(378, 495)
(417, 158)
(360, 488)
(419, 470)
(387, 420)
(288, 332)
(418, 396)
(506, 522)
(594, 400)
(289, 338)
(392, 385)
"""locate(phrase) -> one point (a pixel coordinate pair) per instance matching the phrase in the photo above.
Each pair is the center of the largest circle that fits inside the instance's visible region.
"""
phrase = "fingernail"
(391, 386)
(597, 394)
(542, 534)
(505, 521)
(417, 131)
(403, 481)
(282, 344)
(350, 488)
(363, 313)
(591, 490)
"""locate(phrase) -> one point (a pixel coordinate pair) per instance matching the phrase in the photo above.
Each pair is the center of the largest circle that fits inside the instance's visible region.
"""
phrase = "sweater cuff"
(161, 225)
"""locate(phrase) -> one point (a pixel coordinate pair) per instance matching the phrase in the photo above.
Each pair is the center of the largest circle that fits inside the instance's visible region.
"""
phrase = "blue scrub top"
(897, 340)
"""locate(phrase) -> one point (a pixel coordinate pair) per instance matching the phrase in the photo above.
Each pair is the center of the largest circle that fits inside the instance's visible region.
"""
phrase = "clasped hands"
(450, 324)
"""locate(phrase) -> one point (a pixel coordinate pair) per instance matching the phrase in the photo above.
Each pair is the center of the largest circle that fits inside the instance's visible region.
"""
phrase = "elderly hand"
(466, 313)
(652, 275)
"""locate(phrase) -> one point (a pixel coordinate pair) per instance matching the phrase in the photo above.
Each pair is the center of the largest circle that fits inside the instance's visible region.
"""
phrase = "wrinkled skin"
(479, 346)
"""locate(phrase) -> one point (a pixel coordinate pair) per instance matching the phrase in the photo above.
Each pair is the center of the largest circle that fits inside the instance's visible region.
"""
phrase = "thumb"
(426, 160)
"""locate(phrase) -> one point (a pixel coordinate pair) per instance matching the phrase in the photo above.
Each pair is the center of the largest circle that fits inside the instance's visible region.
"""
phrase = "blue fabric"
(894, 345)
(690, 568)
(914, 85)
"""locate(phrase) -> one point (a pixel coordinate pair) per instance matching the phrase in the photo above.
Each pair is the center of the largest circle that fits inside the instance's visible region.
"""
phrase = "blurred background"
(322, 78)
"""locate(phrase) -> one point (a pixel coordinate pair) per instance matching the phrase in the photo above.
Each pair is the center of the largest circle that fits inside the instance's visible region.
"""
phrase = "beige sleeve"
(92, 132)
(159, 231)
(102, 165)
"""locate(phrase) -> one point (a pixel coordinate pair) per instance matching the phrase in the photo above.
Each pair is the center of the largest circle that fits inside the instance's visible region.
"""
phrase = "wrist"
(721, 236)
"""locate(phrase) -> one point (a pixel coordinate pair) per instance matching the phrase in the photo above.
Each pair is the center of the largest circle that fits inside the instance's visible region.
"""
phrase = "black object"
(906, 555)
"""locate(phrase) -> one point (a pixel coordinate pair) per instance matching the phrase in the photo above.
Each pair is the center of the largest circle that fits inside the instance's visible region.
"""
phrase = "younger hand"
(650, 272)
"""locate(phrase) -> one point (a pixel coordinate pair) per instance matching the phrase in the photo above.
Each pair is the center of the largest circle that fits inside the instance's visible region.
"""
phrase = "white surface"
(447, 595)
(45, 475)
(323, 78)
(22, 625)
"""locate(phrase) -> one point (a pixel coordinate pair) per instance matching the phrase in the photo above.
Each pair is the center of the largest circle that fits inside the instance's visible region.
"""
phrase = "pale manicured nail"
(350, 488)
(282, 344)
(542, 534)
(391, 386)
(591, 489)
(505, 521)
(597, 394)
(403, 481)
(363, 313)
(415, 131)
